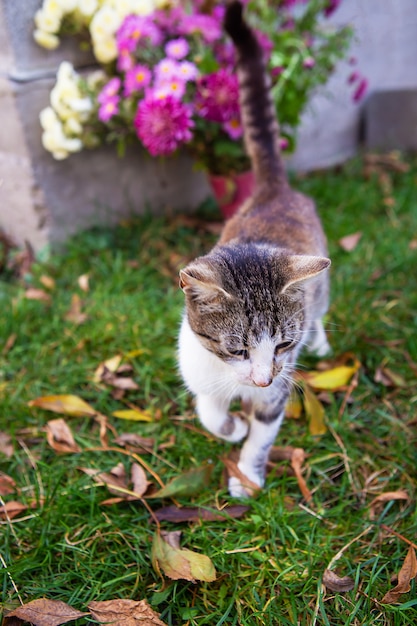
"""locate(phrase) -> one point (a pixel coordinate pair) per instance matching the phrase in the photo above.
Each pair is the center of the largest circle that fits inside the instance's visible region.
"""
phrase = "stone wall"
(44, 201)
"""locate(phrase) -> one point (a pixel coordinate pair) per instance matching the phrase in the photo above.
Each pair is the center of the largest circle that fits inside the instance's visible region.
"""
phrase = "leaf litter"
(179, 563)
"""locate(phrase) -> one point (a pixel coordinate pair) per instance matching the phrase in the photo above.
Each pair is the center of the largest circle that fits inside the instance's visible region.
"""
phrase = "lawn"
(114, 294)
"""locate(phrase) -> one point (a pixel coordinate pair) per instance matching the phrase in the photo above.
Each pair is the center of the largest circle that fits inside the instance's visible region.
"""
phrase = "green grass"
(270, 562)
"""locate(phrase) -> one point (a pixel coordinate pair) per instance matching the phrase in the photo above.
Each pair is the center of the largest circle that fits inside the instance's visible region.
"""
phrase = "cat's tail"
(259, 120)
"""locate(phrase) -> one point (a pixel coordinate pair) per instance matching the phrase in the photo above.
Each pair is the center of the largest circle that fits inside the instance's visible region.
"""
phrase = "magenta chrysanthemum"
(233, 128)
(109, 90)
(218, 97)
(163, 124)
(136, 29)
(108, 108)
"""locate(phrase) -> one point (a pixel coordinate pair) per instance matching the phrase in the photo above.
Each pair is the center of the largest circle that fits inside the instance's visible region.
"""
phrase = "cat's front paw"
(243, 486)
(234, 429)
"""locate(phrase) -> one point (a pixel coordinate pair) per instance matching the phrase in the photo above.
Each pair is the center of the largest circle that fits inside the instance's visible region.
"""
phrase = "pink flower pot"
(231, 191)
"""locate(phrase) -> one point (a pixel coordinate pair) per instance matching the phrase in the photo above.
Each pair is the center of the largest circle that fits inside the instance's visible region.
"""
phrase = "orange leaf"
(7, 484)
(350, 242)
(297, 459)
(11, 509)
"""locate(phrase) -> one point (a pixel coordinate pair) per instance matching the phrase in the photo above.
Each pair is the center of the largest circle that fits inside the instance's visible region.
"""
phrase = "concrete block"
(391, 120)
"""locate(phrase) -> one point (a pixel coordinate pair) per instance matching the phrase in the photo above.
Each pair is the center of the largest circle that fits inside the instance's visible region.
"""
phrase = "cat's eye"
(282, 346)
(239, 354)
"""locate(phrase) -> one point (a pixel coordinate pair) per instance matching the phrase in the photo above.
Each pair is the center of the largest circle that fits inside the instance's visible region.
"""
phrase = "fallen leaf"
(121, 612)
(59, 436)
(75, 314)
(47, 282)
(177, 563)
(37, 294)
(388, 378)
(133, 415)
(314, 412)
(336, 583)
(7, 484)
(350, 242)
(139, 481)
(11, 509)
(65, 404)
(110, 364)
(6, 446)
(297, 460)
(116, 482)
(387, 496)
(83, 282)
(196, 514)
(294, 406)
(333, 379)
(119, 382)
(406, 574)
(186, 484)
(11, 340)
(44, 612)
(135, 441)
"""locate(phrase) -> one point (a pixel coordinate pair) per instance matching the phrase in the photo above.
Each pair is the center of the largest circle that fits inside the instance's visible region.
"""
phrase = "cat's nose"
(261, 381)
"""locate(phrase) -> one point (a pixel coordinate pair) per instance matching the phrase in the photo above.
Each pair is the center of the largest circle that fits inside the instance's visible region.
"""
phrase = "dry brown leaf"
(350, 242)
(122, 612)
(37, 294)
(388, 378)
(110, 364)
(10, 341)
(75, 314)
(47, 282)
(233, 471)
(139, 481)
(195, 514)
(387, 496)
(44, 612)
(298, 457)
(65, 405)
(336, 583)
(84, 282)
(405, 576)
(135, 441)
(7, 484)
(116, 482)
(6, 446)
(11, 509)
(177, 563)
(59, 436)
(124, 383)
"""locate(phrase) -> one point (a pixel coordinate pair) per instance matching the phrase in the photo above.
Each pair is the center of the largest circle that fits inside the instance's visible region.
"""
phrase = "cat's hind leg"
(317, 340)
(214, 415)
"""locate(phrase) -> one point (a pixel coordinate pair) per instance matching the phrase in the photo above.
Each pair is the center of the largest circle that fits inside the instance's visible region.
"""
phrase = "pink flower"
(136, 29)
(109, 90)
(166, 69)
(136, 79)
(125, 60)
(108, 108)
(209, 27)
(163, 124)
(177, 48)
(309, 62)
(187, 71)
(217, 98)
(283, 143)
(173, 87)
(233, 128)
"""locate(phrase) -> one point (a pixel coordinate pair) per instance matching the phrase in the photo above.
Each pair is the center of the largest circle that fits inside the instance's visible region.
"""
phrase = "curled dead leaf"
(124, 612)
(7, 484)
(376, 505)
(44, 612)
(179, 563)
(336, 583)
(60, 437)
(195, 514)
(11, 509)
(297, 460)
(406, 574)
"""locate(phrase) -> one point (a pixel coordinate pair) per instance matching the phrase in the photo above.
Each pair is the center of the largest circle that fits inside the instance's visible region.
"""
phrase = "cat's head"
(245, 303)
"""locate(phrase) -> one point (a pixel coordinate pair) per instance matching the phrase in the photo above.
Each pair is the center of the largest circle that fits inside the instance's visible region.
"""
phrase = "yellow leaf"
(133, 415)
(294, 406)
(333, 379)
(65, 405)
(315, 412)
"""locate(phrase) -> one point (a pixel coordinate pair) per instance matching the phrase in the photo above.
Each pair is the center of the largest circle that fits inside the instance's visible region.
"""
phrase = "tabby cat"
(259, 295)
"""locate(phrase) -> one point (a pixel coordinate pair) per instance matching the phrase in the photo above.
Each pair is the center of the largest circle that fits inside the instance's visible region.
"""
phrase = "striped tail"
(260, 124)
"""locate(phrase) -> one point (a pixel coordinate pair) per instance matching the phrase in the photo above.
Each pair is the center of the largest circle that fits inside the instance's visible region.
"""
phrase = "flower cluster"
(168, 75)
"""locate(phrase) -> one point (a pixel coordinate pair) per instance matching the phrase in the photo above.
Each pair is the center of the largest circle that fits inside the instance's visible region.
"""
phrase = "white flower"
(105, 50)
(48, 21)
(55, 141)
(104, 23)
(68, 6)
(46, 40)
(48, 118)
(72, 126)
(87, 7)
(143, 7)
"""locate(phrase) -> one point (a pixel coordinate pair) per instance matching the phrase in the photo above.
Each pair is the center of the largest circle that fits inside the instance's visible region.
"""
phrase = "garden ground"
(112, 298)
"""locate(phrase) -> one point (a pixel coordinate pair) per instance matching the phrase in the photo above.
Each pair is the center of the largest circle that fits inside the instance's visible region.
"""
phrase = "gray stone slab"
(391, 120)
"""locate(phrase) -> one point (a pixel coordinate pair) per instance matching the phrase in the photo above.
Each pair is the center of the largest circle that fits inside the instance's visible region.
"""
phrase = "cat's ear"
(199, 283)
(302, 267)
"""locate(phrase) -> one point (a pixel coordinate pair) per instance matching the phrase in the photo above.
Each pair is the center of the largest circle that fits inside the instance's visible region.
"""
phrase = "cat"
(260, 294)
